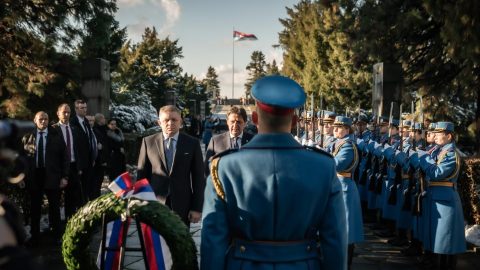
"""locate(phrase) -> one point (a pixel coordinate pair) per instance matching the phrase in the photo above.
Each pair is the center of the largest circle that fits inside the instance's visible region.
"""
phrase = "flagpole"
(233, 62)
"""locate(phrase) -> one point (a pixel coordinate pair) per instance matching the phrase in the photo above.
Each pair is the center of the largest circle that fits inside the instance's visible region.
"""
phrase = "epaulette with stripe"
(318, 150)
(217, 184)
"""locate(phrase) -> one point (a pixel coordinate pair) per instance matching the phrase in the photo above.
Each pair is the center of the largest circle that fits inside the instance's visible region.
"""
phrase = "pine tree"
(272, 69)
(212, 84)
(256, 70)
(30, 32)
(103, 39)
(150, 66)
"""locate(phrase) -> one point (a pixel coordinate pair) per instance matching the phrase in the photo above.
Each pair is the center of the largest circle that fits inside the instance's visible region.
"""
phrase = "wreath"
(80, 229)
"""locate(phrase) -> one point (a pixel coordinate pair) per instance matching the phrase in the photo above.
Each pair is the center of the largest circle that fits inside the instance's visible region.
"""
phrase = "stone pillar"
(387, 88)
(96, 85)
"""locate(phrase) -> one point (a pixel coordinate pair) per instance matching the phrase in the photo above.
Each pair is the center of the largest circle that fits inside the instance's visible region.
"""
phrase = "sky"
(204, 29)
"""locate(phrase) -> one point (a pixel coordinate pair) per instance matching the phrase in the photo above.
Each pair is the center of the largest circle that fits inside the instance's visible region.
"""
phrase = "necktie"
(235, 143)
(169, 152)
(86, 129)
(69, 144)
(40, 157)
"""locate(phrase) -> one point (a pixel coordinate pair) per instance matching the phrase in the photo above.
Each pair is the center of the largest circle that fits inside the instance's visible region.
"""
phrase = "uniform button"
(309, 248)
(243, 249)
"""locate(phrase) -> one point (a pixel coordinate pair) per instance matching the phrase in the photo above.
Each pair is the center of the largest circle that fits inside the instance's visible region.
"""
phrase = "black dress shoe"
(412, 250)
(400, 242)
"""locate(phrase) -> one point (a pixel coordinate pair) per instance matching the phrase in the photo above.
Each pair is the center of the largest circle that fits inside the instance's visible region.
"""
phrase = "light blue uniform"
(389, 211)
(346, 159)
(444, 221)
(274, 204)
(362, 143)
(274, 193)
(404, 216)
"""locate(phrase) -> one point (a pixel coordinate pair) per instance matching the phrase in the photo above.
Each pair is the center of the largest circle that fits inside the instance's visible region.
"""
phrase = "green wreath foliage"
(79, 231)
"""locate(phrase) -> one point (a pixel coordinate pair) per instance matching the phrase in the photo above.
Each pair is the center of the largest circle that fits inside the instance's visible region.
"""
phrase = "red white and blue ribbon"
(157, 252)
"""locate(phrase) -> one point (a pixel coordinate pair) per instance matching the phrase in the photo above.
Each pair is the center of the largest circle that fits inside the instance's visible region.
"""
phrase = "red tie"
(69, 153)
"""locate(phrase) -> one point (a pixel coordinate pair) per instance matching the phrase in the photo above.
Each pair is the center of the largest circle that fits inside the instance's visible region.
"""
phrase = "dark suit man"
(172, 163)
(71, 135)
(234, 138)
(48, 172)
(100, 168)
(87, 146)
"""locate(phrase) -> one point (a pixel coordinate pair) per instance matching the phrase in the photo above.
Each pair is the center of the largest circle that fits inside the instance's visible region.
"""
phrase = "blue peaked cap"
(363, 118)
(417, 126)
(278, 91)
(342, 121)
(395, 122)
(444, 126)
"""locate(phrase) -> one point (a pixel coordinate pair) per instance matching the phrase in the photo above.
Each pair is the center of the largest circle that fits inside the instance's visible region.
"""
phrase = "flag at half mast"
(239, 36)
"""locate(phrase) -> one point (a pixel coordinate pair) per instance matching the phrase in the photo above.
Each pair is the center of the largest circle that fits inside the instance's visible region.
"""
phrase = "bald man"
(48, 173)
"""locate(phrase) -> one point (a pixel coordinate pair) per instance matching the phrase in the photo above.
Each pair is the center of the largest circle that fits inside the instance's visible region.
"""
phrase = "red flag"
(239, 36)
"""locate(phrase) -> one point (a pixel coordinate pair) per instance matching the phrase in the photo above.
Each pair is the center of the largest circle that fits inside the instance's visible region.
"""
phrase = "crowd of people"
(272, 198)
(68, 158)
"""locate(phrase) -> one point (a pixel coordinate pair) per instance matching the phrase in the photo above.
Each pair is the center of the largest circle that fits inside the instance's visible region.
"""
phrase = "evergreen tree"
(150, 66)
(30, 31)
(305, 52)
(212, 84)
(103, 39)
(272, 69)
(256, 70)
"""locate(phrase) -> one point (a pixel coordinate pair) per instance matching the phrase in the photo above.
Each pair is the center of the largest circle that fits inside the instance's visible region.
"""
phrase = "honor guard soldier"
(345, 153)
(328, 138)
(363, 135)
(444, 234)
(266, 206)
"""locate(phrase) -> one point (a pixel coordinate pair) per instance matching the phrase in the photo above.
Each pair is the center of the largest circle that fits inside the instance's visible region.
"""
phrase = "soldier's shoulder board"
(224, 153)
(318, 150)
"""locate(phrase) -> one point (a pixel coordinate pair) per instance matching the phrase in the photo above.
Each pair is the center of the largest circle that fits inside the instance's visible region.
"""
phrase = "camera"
(11, 131)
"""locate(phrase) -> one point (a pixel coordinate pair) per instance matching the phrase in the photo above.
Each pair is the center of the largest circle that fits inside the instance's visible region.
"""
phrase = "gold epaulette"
(455, 173)
(215, 178)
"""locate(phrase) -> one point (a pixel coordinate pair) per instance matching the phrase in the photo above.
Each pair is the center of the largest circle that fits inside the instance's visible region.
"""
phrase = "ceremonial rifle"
(298, 123)
(313, 119)
(414, 143)
(421, 174)
(384, 167)
(321, 120)
(392, 199)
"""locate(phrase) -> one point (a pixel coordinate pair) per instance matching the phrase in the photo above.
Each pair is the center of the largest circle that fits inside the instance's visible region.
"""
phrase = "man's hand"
(63, 183)
(194, 216)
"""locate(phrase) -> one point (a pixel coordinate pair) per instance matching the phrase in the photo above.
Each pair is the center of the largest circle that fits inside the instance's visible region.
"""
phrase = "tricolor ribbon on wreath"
(157, 252)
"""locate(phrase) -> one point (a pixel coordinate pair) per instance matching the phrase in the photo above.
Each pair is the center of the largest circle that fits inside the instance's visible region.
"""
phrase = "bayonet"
(321, 119)
(390, 121)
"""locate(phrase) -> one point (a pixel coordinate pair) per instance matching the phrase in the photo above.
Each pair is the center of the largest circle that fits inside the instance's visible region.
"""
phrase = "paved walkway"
(373, 254)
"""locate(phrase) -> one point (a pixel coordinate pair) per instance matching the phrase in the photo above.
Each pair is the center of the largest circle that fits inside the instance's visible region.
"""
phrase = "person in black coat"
(172, 163)
(116, 160)
(235, 137)
(87, 146)
(74, 193)
(100, 167)
(48, 172)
